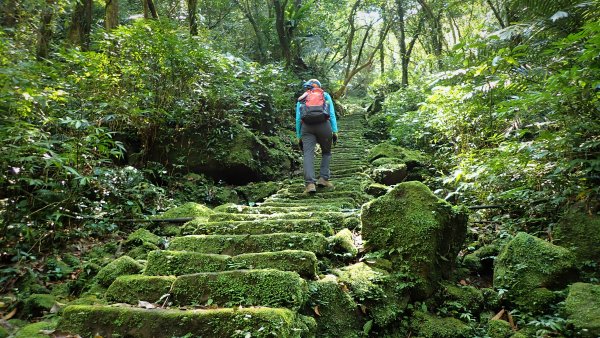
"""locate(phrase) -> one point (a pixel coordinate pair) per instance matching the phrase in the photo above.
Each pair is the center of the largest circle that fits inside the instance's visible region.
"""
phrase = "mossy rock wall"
(583, 309)
(580, 232)
(420, 233)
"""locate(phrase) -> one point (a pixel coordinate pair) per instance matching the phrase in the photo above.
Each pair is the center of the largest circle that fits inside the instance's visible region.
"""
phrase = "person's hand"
(335, 138)
(300, 144)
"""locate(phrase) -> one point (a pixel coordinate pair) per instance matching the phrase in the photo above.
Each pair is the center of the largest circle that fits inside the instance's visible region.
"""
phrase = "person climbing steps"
(316, 124)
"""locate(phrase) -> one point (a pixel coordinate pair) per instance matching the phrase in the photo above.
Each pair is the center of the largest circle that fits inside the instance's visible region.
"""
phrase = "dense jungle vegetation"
(117, 110)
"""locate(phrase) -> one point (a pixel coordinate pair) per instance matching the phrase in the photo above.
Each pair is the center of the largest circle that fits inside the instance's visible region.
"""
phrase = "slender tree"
(192, 10)
(250, 11)
(401, 35)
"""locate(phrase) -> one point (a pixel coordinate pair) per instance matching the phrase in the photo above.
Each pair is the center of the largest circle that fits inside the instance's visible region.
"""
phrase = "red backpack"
(314, 108)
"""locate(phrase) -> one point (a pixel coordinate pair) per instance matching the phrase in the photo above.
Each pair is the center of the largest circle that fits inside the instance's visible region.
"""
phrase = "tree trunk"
(192, 10)
(45, 32)
(152, 9)
(146, 9)
(436, 35)
(284, 42)
(111, 17)
(9, 13)
(496, 13)
(81, 24)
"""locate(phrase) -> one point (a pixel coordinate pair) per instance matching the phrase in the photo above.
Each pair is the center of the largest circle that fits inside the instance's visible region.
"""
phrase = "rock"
(116, 321)
(583, 309)
(468, 296)
(134, 288)
(123, 265)
(411, 158)
(390, 174)
(38, 304)
(189, 209)
(579, 232)
(236, 156)
(377, 189)
(499, 329)
(429, 326)
(141, 236)
(529, 268)
(343, 243)
(375, 291)
(420, 233)
(335, 311)
(33, 330)
(258, 191)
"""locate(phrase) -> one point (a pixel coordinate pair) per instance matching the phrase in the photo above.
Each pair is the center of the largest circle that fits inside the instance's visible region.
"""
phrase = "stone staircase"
(244, 271)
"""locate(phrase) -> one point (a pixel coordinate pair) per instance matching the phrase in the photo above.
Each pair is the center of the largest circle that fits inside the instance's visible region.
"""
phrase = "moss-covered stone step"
(120, 321)
(331, 194)
(342, 202)
(165, 263)
(257, 227)
(134, 288)
(240, 244)
(333, 217)
(244, 209)
(266, 287)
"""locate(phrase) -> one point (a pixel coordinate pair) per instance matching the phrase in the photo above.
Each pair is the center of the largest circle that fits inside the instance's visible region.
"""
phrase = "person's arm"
(298, 122)
(332, 118)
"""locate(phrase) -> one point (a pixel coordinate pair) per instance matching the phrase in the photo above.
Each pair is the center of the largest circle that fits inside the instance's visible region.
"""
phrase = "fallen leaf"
(463, 282)
(316, 309)
(46, 332)
(512, 322)
(10, 314)
(363, 308)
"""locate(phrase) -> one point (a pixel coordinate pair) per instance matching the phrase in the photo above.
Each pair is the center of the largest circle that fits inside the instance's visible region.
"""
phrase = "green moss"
(240, 244)
(582, 307)
(352, 223)
(420, 233)
(580, 232)
(468, 297)
(37, 304)
(61, 289)
(430, 326)
(302, 262)
(343, 243)
(375, 291)
(33, 330)
(165, 263)
(159, 323)
(242, 287)
(134, 288)
(257, 227)
(141, 236)
(336, 219)
(528, 266)
(386, 160)
(141, 251)
(411, 158)
(72, 260)
(123, 265)
(4, 332)
(189, 209)
(499, 329)
(338, 314)
(258, 191)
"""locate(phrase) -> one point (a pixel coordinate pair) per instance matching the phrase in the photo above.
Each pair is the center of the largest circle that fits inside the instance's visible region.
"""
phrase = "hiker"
(315, 123)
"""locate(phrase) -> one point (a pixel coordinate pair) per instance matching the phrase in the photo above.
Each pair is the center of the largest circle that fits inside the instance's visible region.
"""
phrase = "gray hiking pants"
(311, 135)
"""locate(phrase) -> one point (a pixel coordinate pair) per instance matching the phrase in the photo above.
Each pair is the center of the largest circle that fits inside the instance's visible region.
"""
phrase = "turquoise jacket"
(332, 119)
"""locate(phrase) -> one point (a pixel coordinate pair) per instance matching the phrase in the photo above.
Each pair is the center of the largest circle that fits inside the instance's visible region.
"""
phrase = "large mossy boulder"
(530, 268)
(580, 232)
(235, 155)
(390, 174)
(186, 210)
(419, 233)
(583, 309)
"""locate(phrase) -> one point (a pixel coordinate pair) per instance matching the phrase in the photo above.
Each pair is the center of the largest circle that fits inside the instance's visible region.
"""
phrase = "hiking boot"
(310, 189)
(324, 183)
